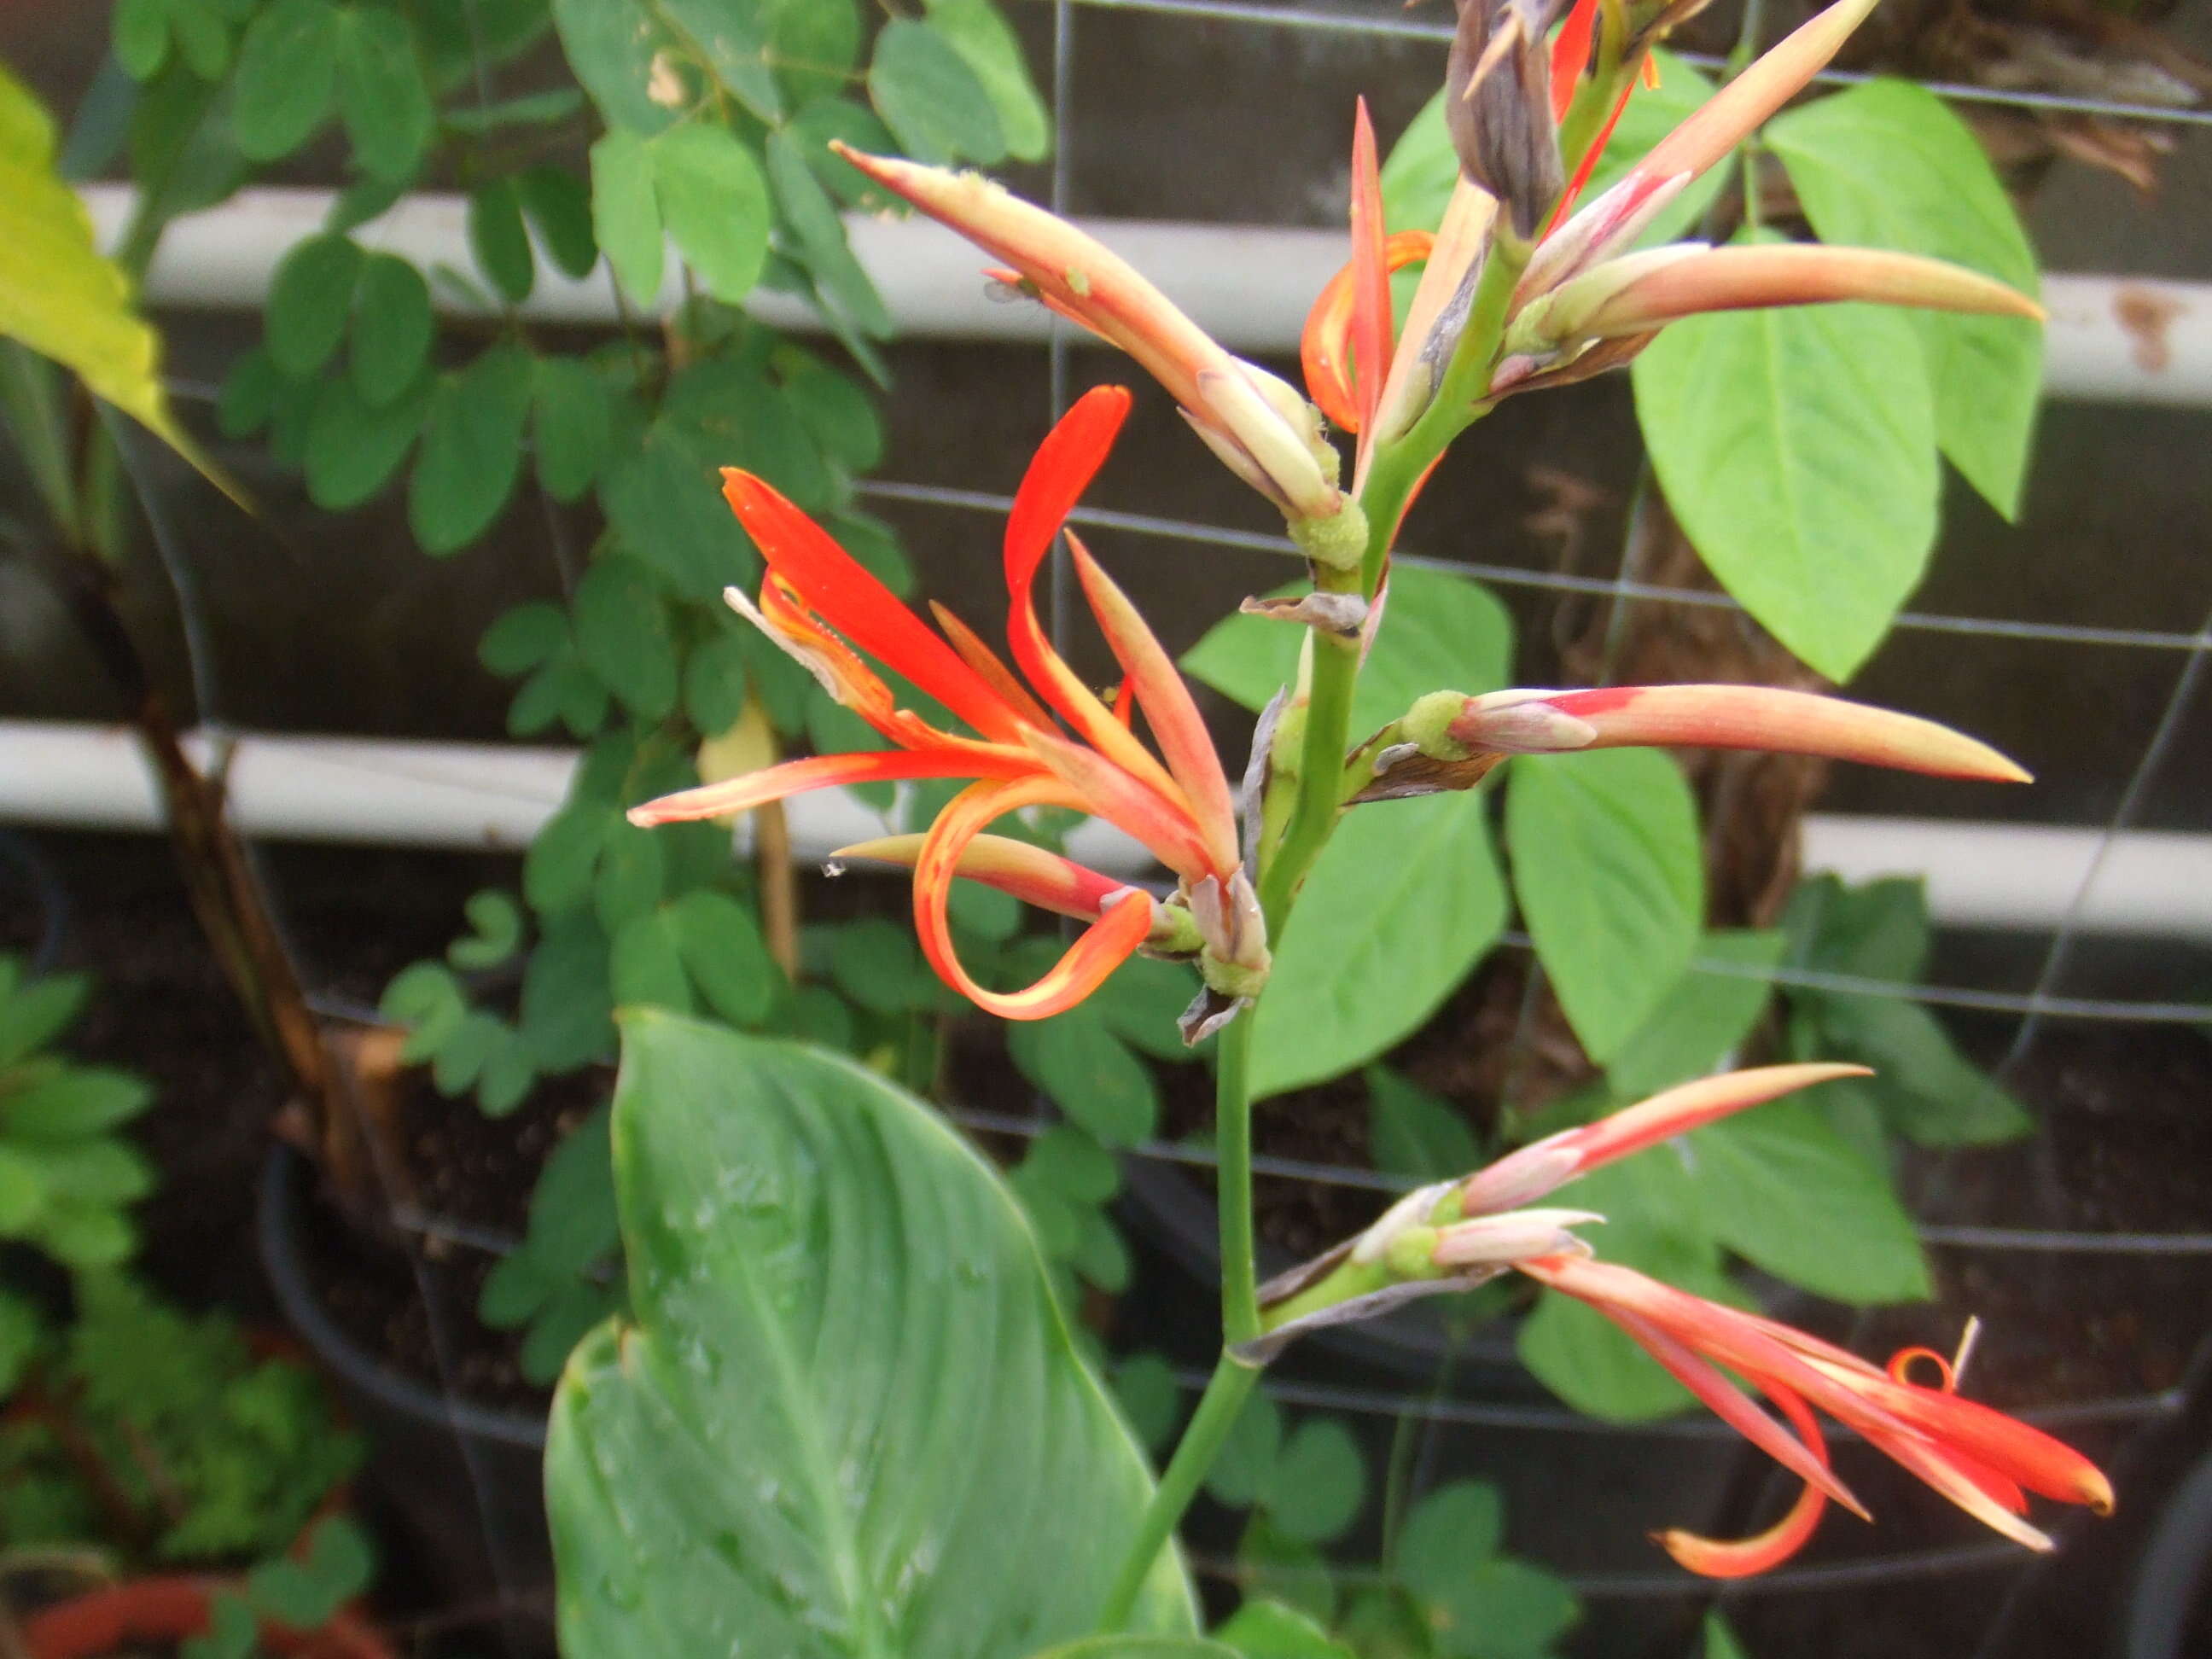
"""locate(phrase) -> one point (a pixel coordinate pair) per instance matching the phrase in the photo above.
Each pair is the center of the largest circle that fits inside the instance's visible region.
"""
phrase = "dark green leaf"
(813, 44)
(1505, 1609)
(1720, 1640)
(34, 1013)
(728, 961)
(979, 32)
(1140, 1003)
(1318, 1482)
(786, 1337)
(1414, 1135)
(567, 1318)
(380, 90)
(392, 328)
(840, 417)
(1100, 1256)
(664, 501)
(1269, 1630)
(1890, 165)
(1085, 1069)
(1782, 1188)
(522, 638)
(1449, 1531)
(310, 297)
(498, 239)
(250, 395)
(715, 203)
(623, 634)
(574, 429)
(497, 921)
(1702, 1019)
(353, 448)
(1406, 899)
(806, 208)
(826, 119)
(1150, 1398)
(287, 77)
(732, 36)
(85, 1236)
(645, 965)
(1797, 448)
(632, 876)
(631, 62)
(567, 1002)
(932, 100)
(1273, 1565)
(559, 204)
(626, 214)
(71, 1103)
(1609, 871)
(1925, 1089)
(1248, 1454)
(471, 450)
(1877, 930)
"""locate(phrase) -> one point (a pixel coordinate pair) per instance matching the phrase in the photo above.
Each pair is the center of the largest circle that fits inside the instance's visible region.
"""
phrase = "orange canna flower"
(1050, 742)
(1980, 1459)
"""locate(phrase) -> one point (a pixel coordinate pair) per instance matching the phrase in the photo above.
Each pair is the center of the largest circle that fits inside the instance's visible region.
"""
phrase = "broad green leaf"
(630, 60)
(1607, 870)
(934, 104)
(559, 204)
(1782, 1188)
(1700, 1020)
(1404, 901)
(498, 239)
(979, 32)
(626, 214)
(392, 328)
(1075, 1058)
(818, 1266)
(1923, 1087)
(876, 962)
(57, 296)
(1151, 1398)
(1721, 1641)
(381, 92)
(72, 1103)
(34, 1013)
(522, 638)
(1797, 448)
(139, 35)
(645, 965)
(623, 636)
(806, 208)
(1248, 1454)
(1069, 1161)
(1439, 633)
(567, 1001)
(471, 450)
(572, 1209)
(354, 447)
(1318, 1482)
(714, 201)
(311, 296)
(287, 78)
(1448, 1531)
(22, 1192)
(1412, 1135)
(840, 416)
(1877, 930)
(1502, 1608)
(573, 425)
(732, 37)
(813, 44)
(1889, 165)
(664, 501)
(1269, 1630)
(725, 956)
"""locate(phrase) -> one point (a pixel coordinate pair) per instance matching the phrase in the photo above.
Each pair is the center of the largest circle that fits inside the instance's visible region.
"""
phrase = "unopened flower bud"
(1500, 1241)
(1498, 107)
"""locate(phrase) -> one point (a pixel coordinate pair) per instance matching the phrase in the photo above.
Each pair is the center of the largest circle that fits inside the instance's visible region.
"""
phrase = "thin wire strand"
(1408, 29)
(1145, 524)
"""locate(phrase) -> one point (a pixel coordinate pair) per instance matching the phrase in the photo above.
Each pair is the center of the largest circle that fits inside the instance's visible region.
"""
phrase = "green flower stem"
(1218, 1407)
(1232, 1135)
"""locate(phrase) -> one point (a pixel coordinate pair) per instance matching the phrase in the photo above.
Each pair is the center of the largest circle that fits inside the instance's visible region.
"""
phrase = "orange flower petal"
(1029, 873)
(1325, 350)
(1571, 51)
(1159, 690)
(1103, 947)
(1370, 280)
(716, 800)
(985, 661)
(859, 606)
(1741, 1557)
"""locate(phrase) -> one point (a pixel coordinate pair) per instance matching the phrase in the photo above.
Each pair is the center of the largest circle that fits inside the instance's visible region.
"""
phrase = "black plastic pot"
(466, 1480)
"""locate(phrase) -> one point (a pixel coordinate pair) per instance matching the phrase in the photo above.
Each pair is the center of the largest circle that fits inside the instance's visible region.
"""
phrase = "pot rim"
(276, 1228)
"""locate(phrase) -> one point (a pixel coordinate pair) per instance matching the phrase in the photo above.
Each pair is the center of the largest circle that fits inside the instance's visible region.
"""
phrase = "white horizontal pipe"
(2113, 339)
(494, 796)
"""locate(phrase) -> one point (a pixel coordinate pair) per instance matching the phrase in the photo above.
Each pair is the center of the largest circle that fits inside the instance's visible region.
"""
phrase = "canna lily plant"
(1523, 287)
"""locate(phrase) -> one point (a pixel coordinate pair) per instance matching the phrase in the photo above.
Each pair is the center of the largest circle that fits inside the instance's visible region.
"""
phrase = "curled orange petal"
(1741, 1558)
(1101, 948)
(741, 794)
(1571, 51)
